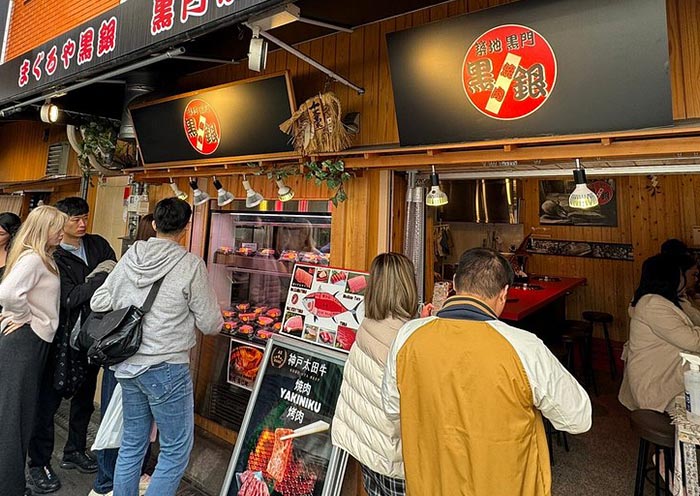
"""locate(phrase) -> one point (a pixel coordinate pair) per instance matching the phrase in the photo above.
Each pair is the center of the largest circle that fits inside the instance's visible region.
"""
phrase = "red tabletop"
(522, 303)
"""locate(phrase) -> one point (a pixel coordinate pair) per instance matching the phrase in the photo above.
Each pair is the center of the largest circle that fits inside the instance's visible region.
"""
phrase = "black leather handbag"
(114, 336)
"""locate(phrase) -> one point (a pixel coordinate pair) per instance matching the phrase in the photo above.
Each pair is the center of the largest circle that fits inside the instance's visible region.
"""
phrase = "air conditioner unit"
(57, 162)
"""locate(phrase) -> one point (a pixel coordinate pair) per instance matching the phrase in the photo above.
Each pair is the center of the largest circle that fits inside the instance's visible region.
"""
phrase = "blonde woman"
(29, 295)
(360, 426)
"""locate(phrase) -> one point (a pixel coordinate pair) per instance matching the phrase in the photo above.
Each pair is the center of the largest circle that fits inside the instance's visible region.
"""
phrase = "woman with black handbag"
(29, 295)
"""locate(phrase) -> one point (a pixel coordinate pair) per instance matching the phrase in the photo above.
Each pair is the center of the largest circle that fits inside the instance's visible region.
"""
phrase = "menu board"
(295, 394)
(325, 305)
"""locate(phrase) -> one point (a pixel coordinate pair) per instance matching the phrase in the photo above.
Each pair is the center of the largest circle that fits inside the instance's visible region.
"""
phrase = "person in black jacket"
(84, 261)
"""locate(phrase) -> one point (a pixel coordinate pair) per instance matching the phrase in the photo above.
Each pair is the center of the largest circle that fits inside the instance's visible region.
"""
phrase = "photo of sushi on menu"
(325, 305)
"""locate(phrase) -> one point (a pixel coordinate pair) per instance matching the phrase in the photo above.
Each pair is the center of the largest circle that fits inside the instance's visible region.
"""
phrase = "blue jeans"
(163, 393)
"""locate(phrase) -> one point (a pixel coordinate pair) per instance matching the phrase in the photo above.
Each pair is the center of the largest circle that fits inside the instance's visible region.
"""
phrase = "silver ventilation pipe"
(132, 91)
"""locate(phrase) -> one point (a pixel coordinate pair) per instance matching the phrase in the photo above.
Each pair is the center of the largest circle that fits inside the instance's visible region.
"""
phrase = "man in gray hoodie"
(156, 382)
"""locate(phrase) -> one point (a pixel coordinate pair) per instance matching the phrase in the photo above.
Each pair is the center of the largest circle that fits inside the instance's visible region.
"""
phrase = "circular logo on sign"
(603, 191)
(509, 72)
(278, 358)
(202, 126)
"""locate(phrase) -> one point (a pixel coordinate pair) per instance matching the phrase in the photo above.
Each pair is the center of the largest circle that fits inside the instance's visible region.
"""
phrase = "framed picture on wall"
(555, 209)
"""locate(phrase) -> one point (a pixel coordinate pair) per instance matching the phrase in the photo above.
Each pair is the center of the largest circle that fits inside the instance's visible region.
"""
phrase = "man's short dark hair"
(171, 215)
(73, 206)
(483, 272)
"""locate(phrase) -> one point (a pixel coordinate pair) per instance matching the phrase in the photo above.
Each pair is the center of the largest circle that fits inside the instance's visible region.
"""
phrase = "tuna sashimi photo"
(326, 306)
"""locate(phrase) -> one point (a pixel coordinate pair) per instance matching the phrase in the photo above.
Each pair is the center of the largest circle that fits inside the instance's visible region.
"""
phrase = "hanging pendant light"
(582, 197)
(252, 197)
(200, 197)
(223, 197)
(284, 192)
(177, 191)
(436, 197)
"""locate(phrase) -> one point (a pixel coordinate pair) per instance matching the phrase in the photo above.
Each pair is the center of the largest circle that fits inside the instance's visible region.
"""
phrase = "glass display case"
(250, 259)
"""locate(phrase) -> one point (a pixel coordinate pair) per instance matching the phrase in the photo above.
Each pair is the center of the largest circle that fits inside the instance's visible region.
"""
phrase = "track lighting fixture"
(200, 197)
(284, 192)
(436, 197)
(252, 197)
(177, 192)
(223, 197)
(582, 197)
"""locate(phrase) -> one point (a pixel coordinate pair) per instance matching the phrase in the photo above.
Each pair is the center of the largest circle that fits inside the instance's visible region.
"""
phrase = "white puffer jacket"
(360, 425)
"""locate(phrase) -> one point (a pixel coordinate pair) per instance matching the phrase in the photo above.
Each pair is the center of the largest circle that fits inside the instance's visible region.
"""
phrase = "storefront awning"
(128, 32)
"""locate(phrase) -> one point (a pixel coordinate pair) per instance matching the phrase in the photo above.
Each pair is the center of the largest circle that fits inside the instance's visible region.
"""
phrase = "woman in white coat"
(360, 426)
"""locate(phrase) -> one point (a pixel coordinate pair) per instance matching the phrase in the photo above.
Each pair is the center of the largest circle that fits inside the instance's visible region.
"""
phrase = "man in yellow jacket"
(470, 391)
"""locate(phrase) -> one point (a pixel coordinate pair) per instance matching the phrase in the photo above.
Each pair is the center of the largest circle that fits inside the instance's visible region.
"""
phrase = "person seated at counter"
(659, 331)
(688, 265)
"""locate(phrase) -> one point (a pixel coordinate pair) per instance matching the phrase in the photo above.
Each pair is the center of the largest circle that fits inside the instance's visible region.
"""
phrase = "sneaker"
(143, 484)
(43, 480)
(95, 493)
(79, 460)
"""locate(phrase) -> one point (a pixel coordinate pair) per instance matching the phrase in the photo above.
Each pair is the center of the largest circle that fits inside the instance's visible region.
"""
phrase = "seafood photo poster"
(284, 445)
(325, 305)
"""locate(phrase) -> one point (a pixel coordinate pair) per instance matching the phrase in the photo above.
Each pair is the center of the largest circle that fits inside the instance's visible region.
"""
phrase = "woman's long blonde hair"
(41, 224)
(391, 289)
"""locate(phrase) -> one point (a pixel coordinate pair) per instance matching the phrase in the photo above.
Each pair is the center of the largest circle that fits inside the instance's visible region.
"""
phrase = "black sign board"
(233, 120)
(119, 34)
(297, 386)
(534, 67)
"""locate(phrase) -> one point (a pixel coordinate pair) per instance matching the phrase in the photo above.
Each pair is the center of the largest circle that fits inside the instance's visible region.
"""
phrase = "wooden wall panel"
(23, 151)
(644, 220)
(688, 16)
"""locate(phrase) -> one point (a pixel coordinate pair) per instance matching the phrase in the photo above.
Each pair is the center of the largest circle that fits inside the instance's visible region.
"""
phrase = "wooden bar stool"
(580, 333)
(605, 319)
(655, 431)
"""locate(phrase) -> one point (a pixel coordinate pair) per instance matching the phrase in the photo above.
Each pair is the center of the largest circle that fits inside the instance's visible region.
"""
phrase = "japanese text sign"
(298, 386)
(240, 118)
(533, 68)
(121, 33)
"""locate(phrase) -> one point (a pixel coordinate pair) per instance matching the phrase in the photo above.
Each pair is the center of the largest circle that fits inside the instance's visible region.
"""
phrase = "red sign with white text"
(202, 126)
(509, 72)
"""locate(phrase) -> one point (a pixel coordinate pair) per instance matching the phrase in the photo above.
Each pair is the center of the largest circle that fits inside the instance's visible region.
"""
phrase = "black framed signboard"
(284, 444)
(231, 120)
(531, 68)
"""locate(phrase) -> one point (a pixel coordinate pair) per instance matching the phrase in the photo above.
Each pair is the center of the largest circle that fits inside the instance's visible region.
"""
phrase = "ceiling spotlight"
(48, 113)
(582, 197)
(200, 196)
(436, 197)
(257, 52)
(223, 197)
(252, 197)
(178, 193)
(284, 192)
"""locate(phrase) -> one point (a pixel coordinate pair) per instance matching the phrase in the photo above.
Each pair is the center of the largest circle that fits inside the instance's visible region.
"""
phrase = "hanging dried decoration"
(654, 188)
(317, 126)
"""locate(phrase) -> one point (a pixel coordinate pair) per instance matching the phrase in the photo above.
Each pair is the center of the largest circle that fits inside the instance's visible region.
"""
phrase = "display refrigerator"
(251, 256)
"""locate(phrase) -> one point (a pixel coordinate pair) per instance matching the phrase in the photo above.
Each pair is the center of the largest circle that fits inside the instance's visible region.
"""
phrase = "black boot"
(43, 480)
(80, 460)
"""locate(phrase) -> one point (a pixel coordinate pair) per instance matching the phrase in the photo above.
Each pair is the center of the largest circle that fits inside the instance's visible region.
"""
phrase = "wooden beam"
(617, 149)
